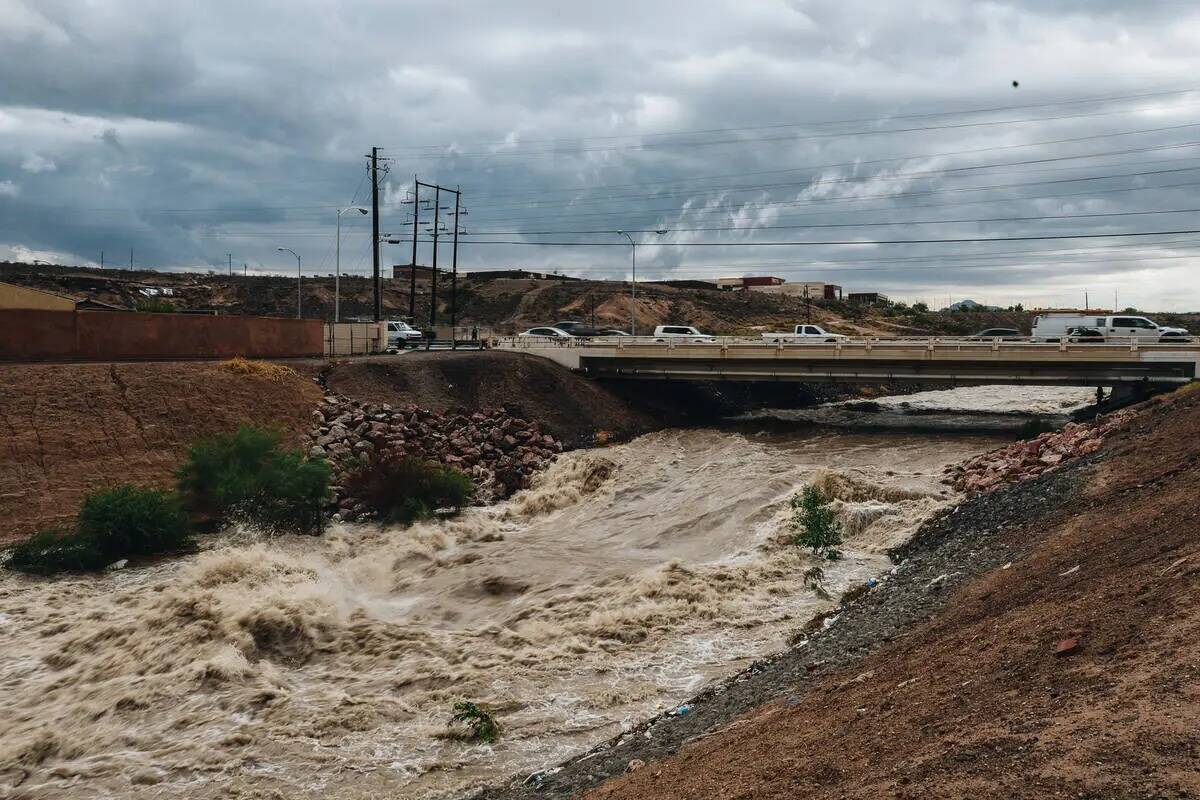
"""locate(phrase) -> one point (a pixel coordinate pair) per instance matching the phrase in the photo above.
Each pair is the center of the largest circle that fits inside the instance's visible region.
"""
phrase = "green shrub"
(813, 524)
(153, 305)
(248, 475)
(406, 489)
(52, 551)
(481, 723)
(129, 520)
(120, 522)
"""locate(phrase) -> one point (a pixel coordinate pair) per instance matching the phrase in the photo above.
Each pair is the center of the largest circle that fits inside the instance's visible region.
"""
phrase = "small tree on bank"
(813, 524)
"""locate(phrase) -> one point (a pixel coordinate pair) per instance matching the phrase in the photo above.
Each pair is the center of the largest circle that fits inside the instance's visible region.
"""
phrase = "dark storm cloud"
(189, 131)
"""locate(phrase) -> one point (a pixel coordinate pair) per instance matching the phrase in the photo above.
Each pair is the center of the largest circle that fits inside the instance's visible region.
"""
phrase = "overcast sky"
(188, 131)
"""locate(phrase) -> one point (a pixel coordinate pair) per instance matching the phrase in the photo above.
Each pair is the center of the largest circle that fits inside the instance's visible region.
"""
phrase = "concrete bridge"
(872, 360)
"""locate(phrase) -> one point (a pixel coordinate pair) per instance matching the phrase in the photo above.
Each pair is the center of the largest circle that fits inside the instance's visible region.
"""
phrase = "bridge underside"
(850, 370)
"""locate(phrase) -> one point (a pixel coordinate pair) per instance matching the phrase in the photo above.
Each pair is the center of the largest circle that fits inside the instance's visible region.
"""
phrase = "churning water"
(300, 667)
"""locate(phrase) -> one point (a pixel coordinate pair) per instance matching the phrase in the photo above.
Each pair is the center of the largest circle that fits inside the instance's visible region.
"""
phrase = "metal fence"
(355, 338)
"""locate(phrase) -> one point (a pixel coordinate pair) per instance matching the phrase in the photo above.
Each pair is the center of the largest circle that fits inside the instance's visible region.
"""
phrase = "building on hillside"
(751, 282)
(868, 298)
(404, 272)
(13, 296)
(516, 274)
(815, 290)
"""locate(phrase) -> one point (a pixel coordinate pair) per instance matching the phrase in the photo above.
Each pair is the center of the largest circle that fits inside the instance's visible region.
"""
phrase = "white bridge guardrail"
(867, 342)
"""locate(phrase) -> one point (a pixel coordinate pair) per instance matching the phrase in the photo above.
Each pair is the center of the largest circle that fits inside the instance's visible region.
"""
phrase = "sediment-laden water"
(326, 667)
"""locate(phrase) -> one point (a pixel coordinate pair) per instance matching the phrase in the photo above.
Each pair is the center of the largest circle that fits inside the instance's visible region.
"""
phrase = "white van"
(684, 333)
(1054, 327)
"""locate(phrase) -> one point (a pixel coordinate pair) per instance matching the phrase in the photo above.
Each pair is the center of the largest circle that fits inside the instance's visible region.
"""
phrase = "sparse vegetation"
(52, 551)
(129, 520)
(153, 305)
(262, 369)
(404, 490)
(813, 524)
(115, 523)
(480, 723)
(248, 475)
(814, 578)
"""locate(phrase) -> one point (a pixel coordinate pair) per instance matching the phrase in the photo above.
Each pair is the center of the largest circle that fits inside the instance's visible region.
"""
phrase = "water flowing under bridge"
(861, 359)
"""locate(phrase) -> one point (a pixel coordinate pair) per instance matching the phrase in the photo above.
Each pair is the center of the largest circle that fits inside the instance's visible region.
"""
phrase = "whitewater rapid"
(300, 667)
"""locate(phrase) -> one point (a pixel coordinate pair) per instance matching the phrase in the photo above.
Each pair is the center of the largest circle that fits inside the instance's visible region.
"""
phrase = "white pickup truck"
(1055, 327)
(684, 333)
(803, 333)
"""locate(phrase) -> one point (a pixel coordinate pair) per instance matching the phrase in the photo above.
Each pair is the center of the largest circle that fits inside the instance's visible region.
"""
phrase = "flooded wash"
(327, 667)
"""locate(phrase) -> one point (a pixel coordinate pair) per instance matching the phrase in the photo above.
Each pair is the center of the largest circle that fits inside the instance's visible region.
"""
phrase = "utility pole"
(101, 259)
(375, 232)
(230, 257)
(412, 271)
(131, 259)
(454, 273)
(437, 199)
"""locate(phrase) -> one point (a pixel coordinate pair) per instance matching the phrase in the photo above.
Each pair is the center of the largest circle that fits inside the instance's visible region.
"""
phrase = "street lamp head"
(281, 249)
(661, 231)
(362, 211)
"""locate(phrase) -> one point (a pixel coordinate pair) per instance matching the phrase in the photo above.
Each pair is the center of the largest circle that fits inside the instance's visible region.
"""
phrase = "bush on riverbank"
(120, 522)
(249, 475)
(406, 489)
(813, 524)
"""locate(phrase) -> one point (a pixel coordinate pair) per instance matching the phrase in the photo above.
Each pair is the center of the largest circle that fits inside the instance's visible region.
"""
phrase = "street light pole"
(297, 255)
(337, 277)
(633, 281)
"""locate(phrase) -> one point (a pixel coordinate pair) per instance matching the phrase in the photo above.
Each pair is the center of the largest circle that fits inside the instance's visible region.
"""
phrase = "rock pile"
(500, 452)
(1021, 460)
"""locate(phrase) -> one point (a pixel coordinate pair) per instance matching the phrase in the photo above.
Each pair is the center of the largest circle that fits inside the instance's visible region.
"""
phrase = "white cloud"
(9, 189)
(38, 163)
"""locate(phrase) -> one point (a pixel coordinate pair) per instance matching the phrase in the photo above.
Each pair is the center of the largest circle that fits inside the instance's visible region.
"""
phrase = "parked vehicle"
(1053, 327)
(1004, 334)
(803, 333)
(612, 332)
(577, 329)
(1084, 334)
(399, 333)
(547, 332)
(684, 333)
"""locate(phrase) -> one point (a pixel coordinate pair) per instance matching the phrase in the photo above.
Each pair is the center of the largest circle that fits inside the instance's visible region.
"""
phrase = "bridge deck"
(863, 359)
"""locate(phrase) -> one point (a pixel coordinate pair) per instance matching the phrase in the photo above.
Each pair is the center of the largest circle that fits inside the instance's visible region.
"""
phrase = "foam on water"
(619, 583)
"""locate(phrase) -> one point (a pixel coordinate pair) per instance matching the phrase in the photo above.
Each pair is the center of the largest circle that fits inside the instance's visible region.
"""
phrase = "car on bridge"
(803, 333)
(1083, 334)
(1003, 334)
(547, 332)
(579, 329)
(684, 333)
(1119, 327)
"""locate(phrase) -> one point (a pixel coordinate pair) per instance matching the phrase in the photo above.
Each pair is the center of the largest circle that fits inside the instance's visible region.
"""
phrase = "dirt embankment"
(66, 429)
(1038, 641)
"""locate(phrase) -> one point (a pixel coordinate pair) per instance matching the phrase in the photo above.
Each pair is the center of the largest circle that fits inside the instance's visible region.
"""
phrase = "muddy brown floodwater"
(327, 667)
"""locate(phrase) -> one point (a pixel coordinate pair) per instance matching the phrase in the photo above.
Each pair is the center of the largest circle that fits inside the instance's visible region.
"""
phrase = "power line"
(925, 115)
(850, 242)
(867, 198)
(1041, 218)
(761, 140)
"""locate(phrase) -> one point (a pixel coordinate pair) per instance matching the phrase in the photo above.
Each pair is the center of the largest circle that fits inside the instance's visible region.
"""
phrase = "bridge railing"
(852, 342)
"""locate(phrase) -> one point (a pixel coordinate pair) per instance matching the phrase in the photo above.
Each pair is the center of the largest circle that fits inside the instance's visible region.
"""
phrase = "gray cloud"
(188, 131)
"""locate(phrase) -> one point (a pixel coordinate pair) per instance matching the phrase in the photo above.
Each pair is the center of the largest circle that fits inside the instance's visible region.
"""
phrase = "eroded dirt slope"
(66, 429)
(976, 702)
